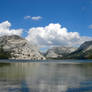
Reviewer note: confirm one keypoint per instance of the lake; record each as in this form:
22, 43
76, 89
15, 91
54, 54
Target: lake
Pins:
46, 76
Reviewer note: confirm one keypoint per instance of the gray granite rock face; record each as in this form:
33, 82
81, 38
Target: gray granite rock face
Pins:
86, 46
59, 52
20, 48
83, 52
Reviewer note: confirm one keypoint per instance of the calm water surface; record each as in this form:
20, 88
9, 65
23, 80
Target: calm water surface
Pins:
47, 76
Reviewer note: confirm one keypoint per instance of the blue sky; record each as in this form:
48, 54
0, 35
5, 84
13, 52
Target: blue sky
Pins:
75, 15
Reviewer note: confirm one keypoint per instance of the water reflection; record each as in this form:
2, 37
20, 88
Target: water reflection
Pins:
45, 77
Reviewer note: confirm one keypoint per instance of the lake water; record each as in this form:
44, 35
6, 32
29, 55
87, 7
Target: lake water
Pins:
46, 76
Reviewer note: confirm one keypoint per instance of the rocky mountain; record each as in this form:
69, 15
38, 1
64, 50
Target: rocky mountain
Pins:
16, 47
59, 52
83, 52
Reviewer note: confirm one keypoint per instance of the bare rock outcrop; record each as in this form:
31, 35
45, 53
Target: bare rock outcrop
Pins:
59, 52
83, 52
20, 48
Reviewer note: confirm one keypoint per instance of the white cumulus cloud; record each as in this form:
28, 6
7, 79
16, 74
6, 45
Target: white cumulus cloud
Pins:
27, 17
51, 35
55, 35
35, 18
5, 29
